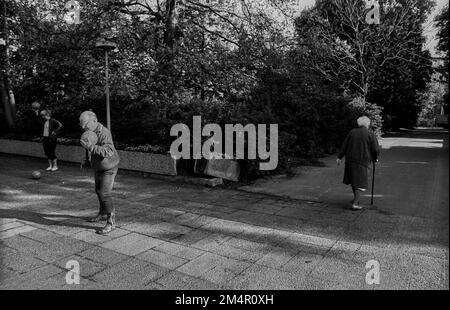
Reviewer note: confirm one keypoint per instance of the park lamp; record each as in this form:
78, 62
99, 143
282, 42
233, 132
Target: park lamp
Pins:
107, 46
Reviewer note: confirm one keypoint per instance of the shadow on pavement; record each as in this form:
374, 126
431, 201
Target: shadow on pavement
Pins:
42, 218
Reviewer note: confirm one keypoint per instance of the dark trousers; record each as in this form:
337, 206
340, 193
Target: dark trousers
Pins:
104, 183
49, 147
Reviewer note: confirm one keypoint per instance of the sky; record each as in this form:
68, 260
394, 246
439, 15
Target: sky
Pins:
430, 30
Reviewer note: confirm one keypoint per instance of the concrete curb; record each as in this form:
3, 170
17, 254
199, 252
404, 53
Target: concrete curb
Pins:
211, 182
136, 161
247, 189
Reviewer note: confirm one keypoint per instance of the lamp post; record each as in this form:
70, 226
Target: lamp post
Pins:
107, 46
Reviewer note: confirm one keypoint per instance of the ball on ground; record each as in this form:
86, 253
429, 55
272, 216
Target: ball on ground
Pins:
36, 175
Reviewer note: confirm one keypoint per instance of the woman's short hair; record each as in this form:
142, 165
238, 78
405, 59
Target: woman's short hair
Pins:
363, 121
46, 113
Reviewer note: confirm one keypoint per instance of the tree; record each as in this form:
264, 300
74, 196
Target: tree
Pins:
380, 63
229, 61
442, 35
443, 32
7, 99
170, 53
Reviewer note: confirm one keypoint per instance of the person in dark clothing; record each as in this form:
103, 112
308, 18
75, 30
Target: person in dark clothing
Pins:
35, 107
360, 149
50, 133
32, 121
105, 161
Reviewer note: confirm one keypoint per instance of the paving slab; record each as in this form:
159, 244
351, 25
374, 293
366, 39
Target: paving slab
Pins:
347, 272
240, 254
276, 257
178, 250
211, 241
90, 236
103, 256
129, 274
132, 244
193, 220
22, 262
15, 231
259, 277
32, 280
10, 225
303, 262
178, 236
88, 267
162, 259
176, 280
59, 282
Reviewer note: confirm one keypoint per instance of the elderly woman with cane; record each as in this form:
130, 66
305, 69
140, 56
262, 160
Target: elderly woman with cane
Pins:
360, 149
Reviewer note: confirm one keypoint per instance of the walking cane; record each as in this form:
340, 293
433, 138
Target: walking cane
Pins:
373, 182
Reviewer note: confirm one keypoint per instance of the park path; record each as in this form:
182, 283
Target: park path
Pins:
179, 236
412, 180
413, 168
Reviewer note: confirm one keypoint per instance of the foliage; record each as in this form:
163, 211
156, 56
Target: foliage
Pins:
443, 31
359, 107
442, 24
432, 102
230, 62
384, 63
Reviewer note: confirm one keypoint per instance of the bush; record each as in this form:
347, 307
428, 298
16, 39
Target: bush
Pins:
146, 149
313, 116
359, 107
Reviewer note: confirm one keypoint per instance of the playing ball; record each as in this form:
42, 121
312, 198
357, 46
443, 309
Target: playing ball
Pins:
36, 175
89, 137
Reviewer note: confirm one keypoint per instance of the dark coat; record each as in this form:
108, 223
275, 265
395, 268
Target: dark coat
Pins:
360, 147
32, 123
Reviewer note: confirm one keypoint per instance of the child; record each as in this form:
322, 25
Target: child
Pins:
50, 135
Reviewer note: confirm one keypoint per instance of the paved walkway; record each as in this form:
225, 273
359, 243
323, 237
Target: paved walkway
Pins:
178, 236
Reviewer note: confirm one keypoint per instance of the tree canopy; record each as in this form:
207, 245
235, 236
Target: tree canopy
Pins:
242, 61
384, 63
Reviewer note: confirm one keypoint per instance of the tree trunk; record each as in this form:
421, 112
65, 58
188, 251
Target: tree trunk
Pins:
171, 23
5, 103
6, 94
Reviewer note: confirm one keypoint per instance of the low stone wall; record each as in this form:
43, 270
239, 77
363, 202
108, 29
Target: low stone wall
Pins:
146, 162
136, 161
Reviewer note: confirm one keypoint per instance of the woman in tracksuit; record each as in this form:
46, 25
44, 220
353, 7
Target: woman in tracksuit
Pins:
50, 134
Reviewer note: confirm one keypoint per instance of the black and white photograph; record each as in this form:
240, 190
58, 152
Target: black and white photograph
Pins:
223, 152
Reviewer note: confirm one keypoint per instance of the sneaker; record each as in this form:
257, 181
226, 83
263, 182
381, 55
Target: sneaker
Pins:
49, 168
110, 225
106, 230
98, 218
54, 168
356, 207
